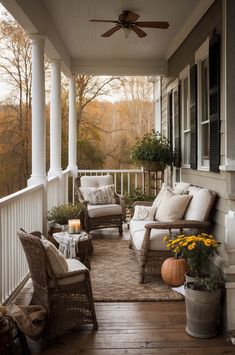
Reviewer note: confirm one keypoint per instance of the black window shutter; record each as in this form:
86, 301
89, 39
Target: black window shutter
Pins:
177, 127
214, 100
169, 118
193, 117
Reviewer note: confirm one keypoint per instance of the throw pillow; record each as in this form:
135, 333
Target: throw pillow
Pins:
181, 188
144, 213
57, 260
172, 207
98, 195
198, 208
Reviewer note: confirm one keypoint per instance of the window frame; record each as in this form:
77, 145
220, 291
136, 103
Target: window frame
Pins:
185, 74
201, 55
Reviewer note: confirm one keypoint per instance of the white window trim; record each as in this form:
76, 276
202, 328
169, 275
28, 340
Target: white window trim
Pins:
185, 73
201, 54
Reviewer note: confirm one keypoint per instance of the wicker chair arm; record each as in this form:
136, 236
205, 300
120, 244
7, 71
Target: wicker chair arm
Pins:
178, 225
143, 203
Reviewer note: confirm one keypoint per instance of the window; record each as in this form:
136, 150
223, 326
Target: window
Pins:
203, 106
185, 116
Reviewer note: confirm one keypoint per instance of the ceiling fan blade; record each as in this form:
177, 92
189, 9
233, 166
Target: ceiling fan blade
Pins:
111, 31
138, 31
131, 17
153, 24
110, 21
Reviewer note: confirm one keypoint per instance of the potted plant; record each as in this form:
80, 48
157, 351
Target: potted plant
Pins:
153, 151
196, 249
202, 291
202, 301
60, 215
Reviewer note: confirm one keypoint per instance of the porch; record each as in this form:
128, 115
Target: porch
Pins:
28, 208
133, 328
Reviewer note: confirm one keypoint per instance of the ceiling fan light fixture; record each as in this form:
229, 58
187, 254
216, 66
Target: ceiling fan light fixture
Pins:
126, 31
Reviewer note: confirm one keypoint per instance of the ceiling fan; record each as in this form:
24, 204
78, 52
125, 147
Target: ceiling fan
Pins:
127, 21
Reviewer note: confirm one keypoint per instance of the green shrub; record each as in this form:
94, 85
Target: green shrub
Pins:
153, 147
63, 213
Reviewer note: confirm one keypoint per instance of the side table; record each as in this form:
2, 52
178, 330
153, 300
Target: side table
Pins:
75, 245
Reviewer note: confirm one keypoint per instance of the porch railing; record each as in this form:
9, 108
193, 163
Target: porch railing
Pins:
22, 209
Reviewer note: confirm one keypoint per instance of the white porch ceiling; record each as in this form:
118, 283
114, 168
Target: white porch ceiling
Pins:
73, 38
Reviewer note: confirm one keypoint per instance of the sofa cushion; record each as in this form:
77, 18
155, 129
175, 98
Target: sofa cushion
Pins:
144, 213
98, 195
181, 188
96, 181
56, 258
198, 207
137, 225
158, 198
156, 239
172, 207
104, 210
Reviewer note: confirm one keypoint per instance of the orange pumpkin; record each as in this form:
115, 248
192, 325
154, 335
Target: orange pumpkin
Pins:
173, 271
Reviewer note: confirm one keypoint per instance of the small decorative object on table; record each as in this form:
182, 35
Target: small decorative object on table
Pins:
74, 225
203, 293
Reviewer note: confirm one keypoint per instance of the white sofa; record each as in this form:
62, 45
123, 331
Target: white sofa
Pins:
185, 208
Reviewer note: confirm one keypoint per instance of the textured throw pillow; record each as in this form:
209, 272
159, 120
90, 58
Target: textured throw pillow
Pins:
57, 260
181, 188
98, 195
144, 213
172, 207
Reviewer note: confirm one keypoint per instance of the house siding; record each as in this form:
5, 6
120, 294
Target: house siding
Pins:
223, 183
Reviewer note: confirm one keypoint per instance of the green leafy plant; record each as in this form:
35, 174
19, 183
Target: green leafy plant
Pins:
196, 249
153, 147
63, 213
134, 196
210, 283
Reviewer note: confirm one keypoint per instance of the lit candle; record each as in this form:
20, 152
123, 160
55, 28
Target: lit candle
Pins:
74, 226
77, 225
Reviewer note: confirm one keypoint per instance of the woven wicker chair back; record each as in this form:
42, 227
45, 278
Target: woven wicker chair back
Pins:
39, 265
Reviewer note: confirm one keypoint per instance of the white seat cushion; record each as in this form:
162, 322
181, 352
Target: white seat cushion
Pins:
156, 239
198, 206
73, 265
96, 181
104, 210
137, 225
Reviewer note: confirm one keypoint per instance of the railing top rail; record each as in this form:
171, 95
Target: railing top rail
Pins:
18, 194
53, 178
110, 171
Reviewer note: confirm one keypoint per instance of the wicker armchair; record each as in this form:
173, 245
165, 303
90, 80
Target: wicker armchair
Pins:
67, 298
103, 215
150, 258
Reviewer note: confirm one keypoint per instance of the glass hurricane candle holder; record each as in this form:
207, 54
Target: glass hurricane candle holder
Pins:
74, 226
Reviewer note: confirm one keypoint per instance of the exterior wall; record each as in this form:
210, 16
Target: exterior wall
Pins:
223, 183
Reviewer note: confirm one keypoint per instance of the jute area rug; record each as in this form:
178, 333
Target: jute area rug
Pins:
114, 276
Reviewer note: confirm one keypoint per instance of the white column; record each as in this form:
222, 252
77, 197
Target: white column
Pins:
72, 127
55, 120
38, 112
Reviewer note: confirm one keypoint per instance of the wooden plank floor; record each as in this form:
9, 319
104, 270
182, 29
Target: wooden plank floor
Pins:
136, 328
